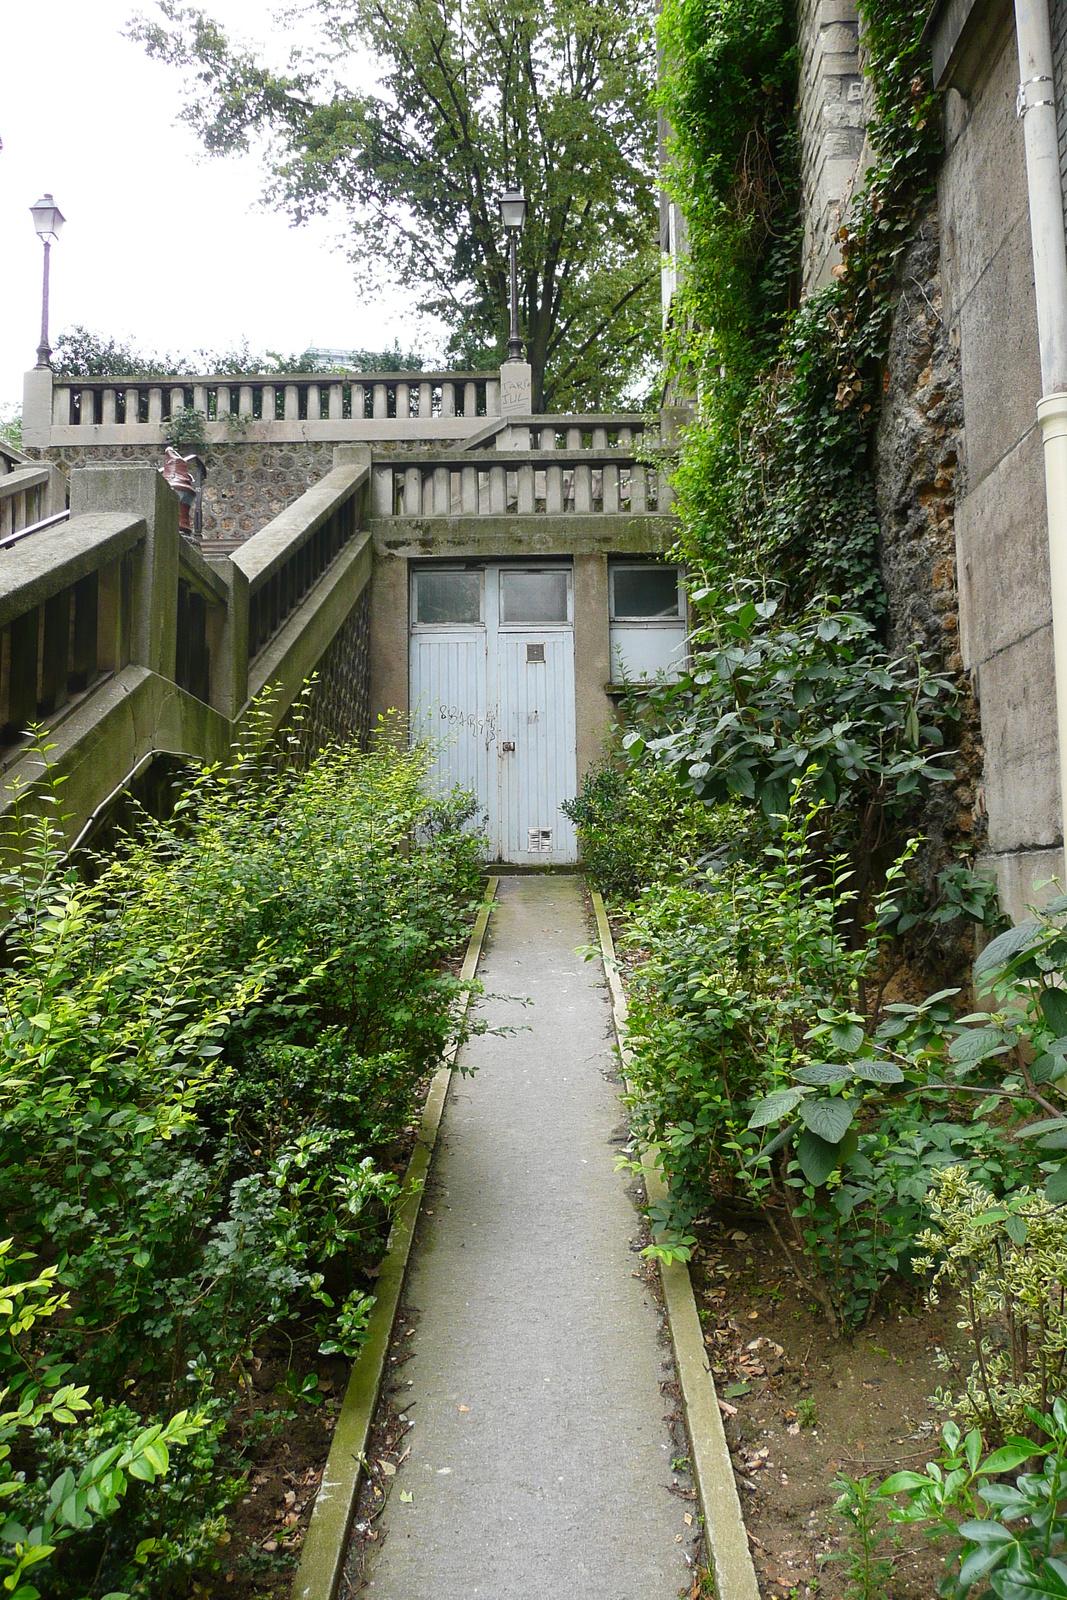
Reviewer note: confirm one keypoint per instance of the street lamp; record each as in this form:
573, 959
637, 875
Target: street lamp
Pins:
48, 220
513, 215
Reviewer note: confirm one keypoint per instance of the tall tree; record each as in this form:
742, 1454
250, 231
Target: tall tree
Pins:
552, 96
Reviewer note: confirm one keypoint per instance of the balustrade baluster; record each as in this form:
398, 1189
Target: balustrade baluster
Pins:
470, 399
155, 407
469, 492
425, 401
200, 398
448, 399
442, 492
600, 438
498, 491
611, 486
492, 397
525, 492
54, 653
381, 400
22, 678
384, 502
359, 403
222, 402
314, 402
413, 492
664, 492
554, 491
574, 438
107, 410
625, 437
403, 402
270, 404
61, 406
247, 403
86, 614
292, 402
583, 488
177, 400
337, 402
638, 487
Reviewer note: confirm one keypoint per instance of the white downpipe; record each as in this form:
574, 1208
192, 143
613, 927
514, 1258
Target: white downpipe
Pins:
1036, 105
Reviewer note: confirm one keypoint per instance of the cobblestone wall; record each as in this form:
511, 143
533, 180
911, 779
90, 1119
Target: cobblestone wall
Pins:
247, 484
918, 449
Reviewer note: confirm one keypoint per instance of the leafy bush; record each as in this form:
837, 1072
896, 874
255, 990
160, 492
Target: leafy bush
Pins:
209, 1052
638, 825
1011, 1536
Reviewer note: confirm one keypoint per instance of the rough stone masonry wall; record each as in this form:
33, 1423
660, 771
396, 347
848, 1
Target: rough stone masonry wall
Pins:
917, 453
247, 484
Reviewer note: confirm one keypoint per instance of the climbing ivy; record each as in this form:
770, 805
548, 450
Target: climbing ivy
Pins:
773, 480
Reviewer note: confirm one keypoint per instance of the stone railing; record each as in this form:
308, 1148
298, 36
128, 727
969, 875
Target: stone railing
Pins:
30, 494
545, 467
126, 643
278, 407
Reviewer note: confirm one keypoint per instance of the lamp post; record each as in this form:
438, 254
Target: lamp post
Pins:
48, 220
513, 215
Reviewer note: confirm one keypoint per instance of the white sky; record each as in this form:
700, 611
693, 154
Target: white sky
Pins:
160, 245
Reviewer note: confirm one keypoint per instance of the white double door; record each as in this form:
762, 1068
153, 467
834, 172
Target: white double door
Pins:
492, 694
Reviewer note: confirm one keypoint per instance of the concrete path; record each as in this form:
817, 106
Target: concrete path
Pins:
540, 1456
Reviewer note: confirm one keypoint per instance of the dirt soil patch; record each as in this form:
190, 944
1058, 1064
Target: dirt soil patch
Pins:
799, 1406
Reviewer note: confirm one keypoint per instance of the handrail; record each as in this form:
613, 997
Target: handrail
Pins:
56, 564
34, 527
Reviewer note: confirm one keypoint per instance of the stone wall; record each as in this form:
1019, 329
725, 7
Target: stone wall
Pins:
247, 484
917, 450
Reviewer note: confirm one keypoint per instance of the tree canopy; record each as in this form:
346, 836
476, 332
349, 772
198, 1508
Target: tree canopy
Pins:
472, 96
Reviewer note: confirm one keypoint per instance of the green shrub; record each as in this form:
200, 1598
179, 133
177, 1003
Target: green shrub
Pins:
209, 1050
638, 825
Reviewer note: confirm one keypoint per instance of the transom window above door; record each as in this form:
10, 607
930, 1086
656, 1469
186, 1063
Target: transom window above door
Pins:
530, 598
447, 598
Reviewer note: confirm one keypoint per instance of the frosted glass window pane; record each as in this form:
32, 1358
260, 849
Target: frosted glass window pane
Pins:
533, 596
646, 593
448, 597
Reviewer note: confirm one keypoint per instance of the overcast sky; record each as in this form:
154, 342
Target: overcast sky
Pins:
160, 245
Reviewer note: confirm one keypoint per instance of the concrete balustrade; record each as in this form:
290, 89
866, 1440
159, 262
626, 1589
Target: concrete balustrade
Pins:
523, 482
387, 406
29, 494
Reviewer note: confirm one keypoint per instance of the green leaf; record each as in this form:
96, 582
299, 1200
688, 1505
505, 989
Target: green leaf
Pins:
1054, 1010
877, 1071
903, 1482
847, 1036
817, 1157
998, 952
774, 1107
1056, 1186
974, 1044
1010, 1456
829, 1119
821, 1073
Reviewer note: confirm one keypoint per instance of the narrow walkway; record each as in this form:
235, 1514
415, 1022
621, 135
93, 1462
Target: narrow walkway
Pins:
540, 1456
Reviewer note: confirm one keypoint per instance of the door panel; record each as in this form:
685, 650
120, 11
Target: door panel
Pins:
452, 712
537, 717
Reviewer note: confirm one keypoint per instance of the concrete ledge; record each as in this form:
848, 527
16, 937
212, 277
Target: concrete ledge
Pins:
261, 556
724, 1526
47, 562
326, 1544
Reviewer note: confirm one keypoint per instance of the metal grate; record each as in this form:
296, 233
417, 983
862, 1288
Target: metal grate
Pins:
538, 841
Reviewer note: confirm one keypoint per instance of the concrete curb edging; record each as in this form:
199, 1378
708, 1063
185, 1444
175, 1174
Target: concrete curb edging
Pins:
724, 1526
326, 1542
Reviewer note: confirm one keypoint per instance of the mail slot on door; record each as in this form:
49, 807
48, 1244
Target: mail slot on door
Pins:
509, 744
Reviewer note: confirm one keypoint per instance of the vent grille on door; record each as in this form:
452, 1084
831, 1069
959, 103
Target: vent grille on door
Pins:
538, 841
535, 652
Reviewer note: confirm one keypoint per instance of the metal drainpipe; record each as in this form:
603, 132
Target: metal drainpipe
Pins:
1036, 105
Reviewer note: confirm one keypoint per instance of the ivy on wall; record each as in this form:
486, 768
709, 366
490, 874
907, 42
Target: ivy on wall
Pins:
773, 480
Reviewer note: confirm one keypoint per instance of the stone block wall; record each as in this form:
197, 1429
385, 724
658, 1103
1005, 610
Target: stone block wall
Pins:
247, 484
832, 122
